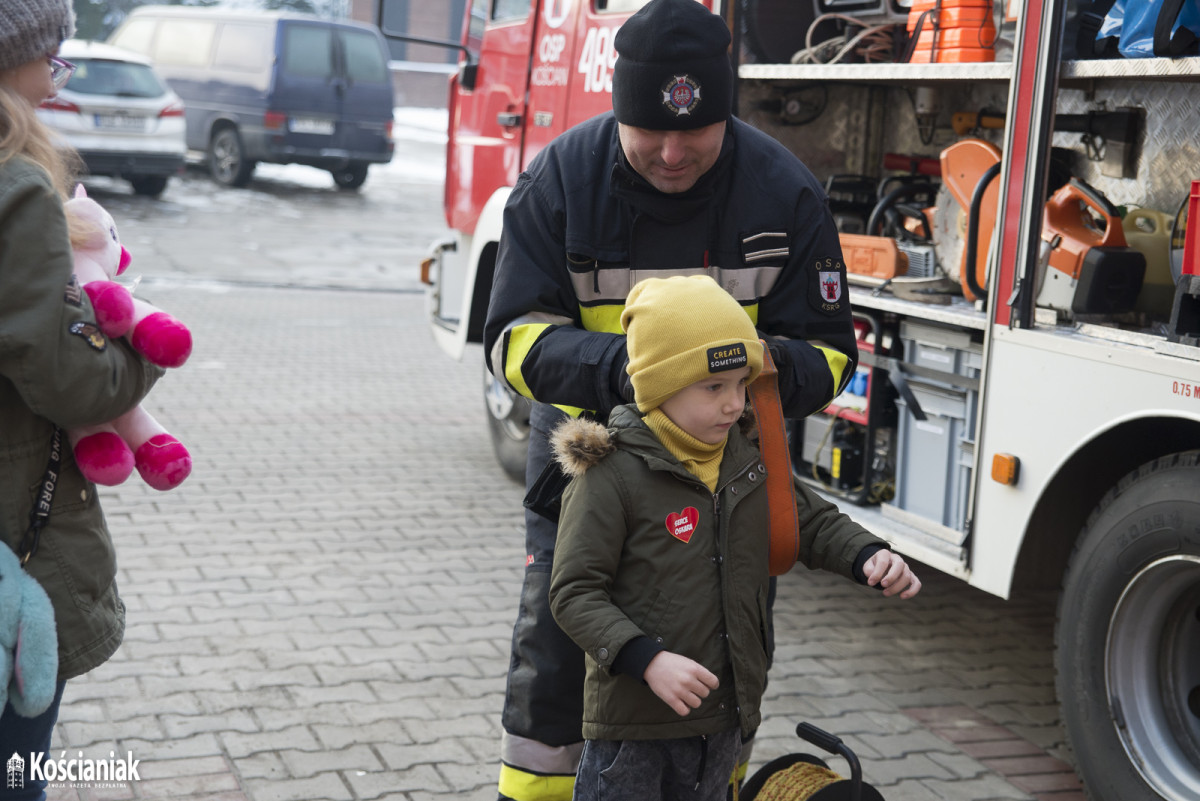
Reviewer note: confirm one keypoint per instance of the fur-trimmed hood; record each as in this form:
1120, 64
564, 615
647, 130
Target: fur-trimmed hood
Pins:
579, 443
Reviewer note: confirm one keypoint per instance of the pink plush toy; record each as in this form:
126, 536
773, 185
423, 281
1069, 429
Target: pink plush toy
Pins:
108, 453
99, 258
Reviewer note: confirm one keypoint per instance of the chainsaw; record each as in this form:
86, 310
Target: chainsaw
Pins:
1086, 267
965, 166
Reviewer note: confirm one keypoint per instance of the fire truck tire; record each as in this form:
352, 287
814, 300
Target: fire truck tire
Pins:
508, 425
1127, 644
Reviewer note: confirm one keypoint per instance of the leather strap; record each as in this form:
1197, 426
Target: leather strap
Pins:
773, 444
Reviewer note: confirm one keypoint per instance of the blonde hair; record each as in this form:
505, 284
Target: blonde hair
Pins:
22, 133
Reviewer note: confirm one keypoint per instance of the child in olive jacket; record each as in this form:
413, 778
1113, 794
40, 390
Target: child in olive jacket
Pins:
660, 571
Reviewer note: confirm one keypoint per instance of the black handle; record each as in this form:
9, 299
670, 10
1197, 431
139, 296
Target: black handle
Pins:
819, 737
1102, 204
896, 376
971, 256
824, 740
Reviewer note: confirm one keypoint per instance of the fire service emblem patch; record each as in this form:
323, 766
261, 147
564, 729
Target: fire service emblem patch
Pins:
681, 95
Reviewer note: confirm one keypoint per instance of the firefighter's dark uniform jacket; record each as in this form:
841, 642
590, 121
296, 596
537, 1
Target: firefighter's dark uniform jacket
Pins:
581, 228
56, 368
621, 573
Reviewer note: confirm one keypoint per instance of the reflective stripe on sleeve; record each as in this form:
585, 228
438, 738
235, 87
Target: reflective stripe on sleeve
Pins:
511, 350
608, 318
602, 318
520, 340
611, 285
512, 347
837, 367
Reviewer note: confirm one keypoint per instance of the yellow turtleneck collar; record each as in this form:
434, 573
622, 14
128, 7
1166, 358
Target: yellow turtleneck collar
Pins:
700, 458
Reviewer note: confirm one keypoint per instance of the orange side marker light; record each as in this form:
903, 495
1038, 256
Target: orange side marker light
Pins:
1005, 468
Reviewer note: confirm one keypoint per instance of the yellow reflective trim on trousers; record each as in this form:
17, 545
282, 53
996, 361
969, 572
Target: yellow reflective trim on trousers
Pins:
837, 366
521, 786
521, 339
608, 318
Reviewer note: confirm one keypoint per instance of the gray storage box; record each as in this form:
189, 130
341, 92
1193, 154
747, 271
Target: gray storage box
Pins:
934, 457
929, 481
943, 349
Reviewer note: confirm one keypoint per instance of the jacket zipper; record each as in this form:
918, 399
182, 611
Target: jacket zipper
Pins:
716, 496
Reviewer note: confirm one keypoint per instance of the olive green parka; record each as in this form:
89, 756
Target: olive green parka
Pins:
645, 549
56, 368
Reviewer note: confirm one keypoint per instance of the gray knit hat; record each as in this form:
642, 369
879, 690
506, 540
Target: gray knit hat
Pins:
32, 28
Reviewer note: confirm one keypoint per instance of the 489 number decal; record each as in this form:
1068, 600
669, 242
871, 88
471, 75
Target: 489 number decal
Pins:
597, 60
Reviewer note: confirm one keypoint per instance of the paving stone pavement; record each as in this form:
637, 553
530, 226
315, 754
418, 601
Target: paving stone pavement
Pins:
323, 610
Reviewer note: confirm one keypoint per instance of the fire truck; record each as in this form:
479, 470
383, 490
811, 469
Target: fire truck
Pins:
1013, 202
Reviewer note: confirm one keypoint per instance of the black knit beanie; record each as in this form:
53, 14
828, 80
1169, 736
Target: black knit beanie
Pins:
32, 28
672, 71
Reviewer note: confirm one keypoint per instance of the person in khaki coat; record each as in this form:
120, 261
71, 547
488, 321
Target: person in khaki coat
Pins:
661, 571
56, 371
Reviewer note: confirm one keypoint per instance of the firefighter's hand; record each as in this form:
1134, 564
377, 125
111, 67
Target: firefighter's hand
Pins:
888, 570
681, 682
779, 354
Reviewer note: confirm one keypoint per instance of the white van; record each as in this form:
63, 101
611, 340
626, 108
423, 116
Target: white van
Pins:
271, 86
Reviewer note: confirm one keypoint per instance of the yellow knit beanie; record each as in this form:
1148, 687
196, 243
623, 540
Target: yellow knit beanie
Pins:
680, 330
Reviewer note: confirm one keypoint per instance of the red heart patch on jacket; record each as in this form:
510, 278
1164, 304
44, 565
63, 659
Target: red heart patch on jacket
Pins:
683, 524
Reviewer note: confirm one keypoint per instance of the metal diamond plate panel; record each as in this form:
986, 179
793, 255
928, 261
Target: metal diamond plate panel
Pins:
1169, 157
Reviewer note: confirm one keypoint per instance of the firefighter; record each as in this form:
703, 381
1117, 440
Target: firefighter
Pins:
668, 183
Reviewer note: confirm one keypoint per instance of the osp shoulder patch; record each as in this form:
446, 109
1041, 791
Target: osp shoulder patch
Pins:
90, 333
827, 286
727, 357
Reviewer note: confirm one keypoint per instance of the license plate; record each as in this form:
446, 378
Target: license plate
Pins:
120, 122
306, 125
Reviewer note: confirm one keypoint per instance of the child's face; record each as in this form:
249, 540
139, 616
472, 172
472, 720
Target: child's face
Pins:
710, 407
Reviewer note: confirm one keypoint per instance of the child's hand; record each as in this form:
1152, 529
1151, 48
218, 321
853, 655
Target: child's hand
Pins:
888, 570
681, 682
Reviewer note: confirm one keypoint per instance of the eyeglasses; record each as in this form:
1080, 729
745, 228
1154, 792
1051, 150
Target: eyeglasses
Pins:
60, 71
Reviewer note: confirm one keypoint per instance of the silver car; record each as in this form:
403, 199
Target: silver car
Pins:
121, 117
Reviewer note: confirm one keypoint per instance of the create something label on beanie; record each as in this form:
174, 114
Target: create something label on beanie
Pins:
727, 357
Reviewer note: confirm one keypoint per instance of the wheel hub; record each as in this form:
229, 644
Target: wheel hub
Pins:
1153, 675
501, 404
499, 401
